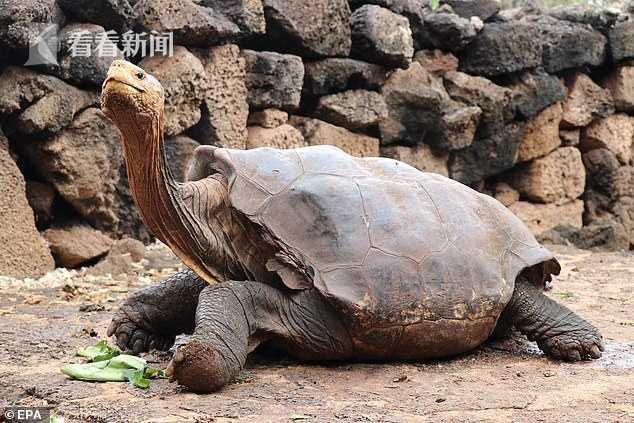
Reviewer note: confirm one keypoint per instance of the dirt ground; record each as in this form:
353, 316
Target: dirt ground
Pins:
43, 323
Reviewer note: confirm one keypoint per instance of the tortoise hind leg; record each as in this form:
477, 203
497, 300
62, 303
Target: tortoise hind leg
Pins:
153, 316
559, 332
233, 318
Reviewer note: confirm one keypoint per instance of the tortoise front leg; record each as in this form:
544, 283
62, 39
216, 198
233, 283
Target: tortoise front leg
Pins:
153, 316
559, 332
233, 318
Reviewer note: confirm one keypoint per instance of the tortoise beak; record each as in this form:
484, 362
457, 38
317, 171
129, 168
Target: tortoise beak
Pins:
124, 73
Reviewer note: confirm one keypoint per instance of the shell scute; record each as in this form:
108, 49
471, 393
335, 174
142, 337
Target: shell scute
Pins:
385, 243
320, 215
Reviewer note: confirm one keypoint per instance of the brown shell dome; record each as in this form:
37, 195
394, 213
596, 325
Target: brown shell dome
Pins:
387, 244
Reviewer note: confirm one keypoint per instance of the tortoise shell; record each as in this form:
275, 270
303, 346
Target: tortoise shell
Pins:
388, 245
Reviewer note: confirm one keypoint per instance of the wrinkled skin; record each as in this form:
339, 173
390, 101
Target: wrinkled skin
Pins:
228, 320
233, 318
559, 332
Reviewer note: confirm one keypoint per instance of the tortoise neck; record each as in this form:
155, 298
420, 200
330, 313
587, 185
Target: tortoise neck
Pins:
156, 193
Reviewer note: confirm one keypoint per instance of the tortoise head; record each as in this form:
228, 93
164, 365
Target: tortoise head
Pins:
131, 97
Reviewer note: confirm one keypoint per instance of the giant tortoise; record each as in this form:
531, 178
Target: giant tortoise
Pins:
324, 255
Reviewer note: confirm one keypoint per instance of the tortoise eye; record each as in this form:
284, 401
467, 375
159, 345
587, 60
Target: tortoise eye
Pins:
140, 75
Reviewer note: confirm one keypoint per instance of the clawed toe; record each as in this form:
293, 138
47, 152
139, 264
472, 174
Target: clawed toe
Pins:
130, 337
573, 347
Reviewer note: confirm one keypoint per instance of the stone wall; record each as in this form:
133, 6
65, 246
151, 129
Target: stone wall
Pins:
531, 106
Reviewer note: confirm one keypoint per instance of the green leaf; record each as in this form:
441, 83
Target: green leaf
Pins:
107, 364
95, 372
151, 373
99, 352
125, 361
435, 4
136, 377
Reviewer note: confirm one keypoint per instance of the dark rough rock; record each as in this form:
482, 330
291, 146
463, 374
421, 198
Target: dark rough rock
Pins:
436, 61
608, 198
569, 137
559, 235
24, 253
602, 169
225, 109
530, 8
604, 235
534, 91
121, 258
4, 56
316, 28
330, 76
381, 36
41, 197
487, 156
568, 45
420, 110
22, 21
413, 10
483, 9
626, 196
416, 101
317, 132
357, 110
73, 244
191, 23
457, 127
41, 103
248, 15
84, 163
494, 100
111, 14
503, 48
185, 82
620, 38
179, 151
91, 69
129, 222
447, 31
597, 17
273, 79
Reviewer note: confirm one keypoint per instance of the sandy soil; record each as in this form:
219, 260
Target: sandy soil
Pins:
43, 323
